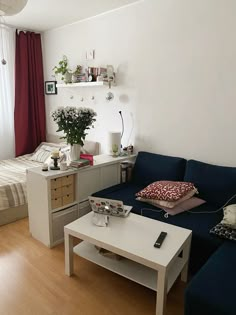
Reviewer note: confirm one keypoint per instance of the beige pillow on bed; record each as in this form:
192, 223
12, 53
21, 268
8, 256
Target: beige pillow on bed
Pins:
50, 144
43, 151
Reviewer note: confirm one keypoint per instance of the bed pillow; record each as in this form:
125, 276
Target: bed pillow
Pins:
43, 152
50, 144
168, 204
166, 190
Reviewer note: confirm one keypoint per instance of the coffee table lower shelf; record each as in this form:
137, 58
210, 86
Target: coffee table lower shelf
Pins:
128, 268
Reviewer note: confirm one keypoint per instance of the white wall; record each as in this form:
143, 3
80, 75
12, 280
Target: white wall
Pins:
176, 70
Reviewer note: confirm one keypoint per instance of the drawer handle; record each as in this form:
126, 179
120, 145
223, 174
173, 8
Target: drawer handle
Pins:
55, 189
68, 195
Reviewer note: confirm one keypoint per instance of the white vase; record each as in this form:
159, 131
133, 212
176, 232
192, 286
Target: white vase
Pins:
75, 151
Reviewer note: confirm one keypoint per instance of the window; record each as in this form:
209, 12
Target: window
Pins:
7, 88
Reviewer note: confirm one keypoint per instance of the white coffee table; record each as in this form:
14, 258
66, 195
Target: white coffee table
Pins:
133, 238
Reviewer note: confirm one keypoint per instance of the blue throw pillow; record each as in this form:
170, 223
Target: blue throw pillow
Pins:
150, 167
215, 184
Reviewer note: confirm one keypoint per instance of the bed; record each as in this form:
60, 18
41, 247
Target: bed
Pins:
13, 199
13, 194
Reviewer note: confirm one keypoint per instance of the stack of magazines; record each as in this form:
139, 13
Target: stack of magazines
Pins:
79, 163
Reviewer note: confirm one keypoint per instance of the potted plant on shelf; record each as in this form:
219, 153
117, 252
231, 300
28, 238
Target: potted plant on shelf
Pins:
63, 70
74, 122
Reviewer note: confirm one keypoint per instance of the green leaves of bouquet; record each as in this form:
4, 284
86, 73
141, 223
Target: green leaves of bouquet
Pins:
74, 122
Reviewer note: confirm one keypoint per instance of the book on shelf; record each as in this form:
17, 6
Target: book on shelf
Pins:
80, 163
87, 157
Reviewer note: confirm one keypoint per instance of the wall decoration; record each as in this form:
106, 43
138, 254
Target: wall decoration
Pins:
90, 54
50, 87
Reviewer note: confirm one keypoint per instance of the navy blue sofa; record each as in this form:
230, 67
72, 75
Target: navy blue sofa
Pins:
212, 289
216, 185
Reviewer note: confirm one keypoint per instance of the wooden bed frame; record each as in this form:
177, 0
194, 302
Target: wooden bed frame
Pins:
13, 214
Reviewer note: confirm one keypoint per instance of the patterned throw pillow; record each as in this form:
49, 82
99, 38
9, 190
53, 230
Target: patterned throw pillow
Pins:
227, 227
167, 204
166, 190
224, 231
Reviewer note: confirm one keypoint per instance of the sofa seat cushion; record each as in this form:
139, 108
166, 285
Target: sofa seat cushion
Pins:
125, 192
150, 167
215, 184
212, 290
200, 222
203, 243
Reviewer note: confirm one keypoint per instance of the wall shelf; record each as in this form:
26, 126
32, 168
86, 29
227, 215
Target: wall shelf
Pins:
83, 84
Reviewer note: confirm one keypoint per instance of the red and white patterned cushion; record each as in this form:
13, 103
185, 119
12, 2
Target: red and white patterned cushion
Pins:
168, 204
166, 190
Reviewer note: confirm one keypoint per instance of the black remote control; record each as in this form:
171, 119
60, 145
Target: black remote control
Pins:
160, 239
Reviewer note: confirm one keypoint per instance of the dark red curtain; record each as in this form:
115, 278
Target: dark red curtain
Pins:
30, 120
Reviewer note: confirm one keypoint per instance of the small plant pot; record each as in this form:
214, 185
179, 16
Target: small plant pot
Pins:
68, 77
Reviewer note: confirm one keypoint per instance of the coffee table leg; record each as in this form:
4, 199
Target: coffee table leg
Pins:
161, 292
186, 253
69, 263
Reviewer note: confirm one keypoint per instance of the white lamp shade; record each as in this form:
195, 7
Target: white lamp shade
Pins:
114, 143
11, 7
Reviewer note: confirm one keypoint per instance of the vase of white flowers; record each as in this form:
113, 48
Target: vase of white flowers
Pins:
74, 122
75, 150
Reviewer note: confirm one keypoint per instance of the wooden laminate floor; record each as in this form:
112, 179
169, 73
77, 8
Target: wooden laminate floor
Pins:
32, 282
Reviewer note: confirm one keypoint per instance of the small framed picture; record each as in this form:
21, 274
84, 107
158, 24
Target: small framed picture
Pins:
50, 87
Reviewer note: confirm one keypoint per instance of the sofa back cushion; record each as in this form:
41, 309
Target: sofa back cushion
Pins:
150, 167
215, 184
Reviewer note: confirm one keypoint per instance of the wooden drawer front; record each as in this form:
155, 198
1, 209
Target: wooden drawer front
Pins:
68, 199
67, 180
68, 189
55, 183
56, 192
56, 203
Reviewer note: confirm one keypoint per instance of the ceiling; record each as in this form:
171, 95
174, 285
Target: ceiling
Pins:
47, 14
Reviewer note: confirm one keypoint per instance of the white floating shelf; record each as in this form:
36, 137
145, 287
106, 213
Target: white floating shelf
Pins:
128, 268
82, 84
